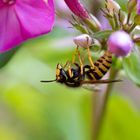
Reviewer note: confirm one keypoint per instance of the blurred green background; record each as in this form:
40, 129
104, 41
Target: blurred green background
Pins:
30, 110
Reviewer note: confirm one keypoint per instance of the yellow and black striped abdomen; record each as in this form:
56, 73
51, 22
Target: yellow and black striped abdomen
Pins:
101, 66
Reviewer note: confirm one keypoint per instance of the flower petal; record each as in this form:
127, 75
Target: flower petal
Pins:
10, 33
77, 8
1, 4
24, 20
37, 20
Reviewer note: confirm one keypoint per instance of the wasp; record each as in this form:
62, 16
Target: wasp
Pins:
85, 74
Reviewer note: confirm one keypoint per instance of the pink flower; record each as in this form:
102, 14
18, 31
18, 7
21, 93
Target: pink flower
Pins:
120, 43
24, 19
77, 8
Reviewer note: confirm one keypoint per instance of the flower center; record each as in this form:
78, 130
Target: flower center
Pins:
9, 2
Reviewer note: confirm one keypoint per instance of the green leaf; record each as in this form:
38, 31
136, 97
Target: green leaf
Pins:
131, 66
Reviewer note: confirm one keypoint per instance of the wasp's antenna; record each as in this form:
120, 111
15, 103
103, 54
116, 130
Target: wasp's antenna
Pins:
48, 81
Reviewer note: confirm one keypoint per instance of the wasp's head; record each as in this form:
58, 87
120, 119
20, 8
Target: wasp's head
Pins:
61, 75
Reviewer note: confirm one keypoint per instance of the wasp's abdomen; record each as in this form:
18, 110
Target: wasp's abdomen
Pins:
101, 66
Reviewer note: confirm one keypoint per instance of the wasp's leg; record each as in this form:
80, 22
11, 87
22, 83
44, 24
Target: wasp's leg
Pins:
89, 57
83, 57
81, 75
74, 56
70, 71
67, 63
81, 62
77, 65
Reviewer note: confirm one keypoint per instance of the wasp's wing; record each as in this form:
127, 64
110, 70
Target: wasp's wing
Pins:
105, 81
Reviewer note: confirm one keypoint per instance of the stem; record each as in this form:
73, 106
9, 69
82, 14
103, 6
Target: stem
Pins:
116, 21
111, 22
128, 18
98, 121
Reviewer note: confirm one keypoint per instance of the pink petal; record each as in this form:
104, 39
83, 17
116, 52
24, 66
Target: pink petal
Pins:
77, 8
24, 20
10, 33
37, 20
1, 4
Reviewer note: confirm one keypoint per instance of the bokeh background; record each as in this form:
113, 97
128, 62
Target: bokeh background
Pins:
30, 110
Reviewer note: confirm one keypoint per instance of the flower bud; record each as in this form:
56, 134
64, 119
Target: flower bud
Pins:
131, 5
93, 23
120, 43
112, 6
83, 40
77, 8
137, 19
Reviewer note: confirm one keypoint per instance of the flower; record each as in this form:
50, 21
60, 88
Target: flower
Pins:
120, 43
83, 40
138, 6
24, 19
77, 8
